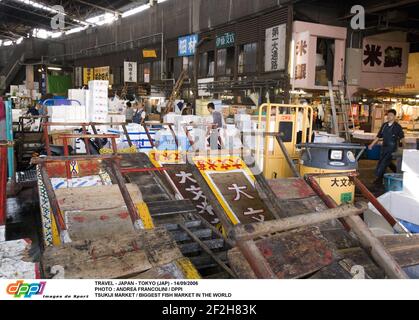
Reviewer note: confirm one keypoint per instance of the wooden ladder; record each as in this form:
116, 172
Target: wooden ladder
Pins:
341, 121
176, 91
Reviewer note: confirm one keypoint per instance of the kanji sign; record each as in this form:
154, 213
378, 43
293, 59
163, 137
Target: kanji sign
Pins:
130, 71
161, 158
301, 49
88, 75
233, 184
187, 45
149, 53
226, 40
102, 73
384, 56
275, 48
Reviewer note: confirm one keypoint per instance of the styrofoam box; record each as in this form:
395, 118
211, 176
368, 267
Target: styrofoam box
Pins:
411, 185
79, 95
400, 205
411, 162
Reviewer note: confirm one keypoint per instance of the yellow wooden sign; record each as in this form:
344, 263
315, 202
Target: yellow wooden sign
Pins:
102, 73
149, 53
222, 164
88, 75
161, 158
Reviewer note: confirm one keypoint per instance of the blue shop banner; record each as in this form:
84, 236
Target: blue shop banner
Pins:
187, 45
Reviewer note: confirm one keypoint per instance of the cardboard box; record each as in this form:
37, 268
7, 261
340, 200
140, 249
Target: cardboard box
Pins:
154, 117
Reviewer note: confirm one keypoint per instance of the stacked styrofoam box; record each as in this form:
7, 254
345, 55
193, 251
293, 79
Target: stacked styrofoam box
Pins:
79, 95
411, 173
67, 114
98, 101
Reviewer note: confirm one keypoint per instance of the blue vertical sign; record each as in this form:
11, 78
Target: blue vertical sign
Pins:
9, 137
187, 45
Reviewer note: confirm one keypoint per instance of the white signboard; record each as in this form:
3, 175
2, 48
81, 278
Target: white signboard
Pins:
203, 91
275, 47
385, 56
130, 71
301, 54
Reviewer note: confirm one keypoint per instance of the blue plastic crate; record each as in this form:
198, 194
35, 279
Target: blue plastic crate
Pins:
375, 153
393, 182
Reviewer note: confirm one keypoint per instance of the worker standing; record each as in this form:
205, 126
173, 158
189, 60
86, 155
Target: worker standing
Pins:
392, 134
129, 114
139, 114
217, 125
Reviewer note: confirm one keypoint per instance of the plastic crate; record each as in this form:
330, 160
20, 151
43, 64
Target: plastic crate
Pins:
375, 153
393, 182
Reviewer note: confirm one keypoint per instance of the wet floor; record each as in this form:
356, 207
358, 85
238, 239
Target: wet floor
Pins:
23, 218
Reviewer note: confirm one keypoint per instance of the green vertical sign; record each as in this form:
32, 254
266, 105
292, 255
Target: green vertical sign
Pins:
226, 40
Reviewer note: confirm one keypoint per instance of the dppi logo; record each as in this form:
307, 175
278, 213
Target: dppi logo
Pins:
26, 290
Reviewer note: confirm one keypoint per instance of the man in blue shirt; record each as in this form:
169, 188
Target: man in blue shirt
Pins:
392, 134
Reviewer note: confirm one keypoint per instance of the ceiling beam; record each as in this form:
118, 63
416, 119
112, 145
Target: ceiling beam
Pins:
100, 7
383, 7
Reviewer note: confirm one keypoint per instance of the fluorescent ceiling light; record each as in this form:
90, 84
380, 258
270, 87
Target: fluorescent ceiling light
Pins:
55, 68
135, 10
102, 19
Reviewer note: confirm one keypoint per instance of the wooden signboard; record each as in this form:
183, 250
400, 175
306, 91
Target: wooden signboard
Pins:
233, 184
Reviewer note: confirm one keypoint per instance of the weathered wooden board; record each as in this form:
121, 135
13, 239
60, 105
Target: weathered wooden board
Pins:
361, 258
92, 225
112, 257
239, 264
84, 168
292, 188
179, 269
405, 249
95, 198
333, 271
291, 255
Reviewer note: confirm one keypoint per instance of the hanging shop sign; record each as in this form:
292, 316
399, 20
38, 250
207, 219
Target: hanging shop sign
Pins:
78, 76
275, 48
102, 73
385, 56
412, 80
301, 58
130, 71
226, 40
88, 75
187, 45
149, 53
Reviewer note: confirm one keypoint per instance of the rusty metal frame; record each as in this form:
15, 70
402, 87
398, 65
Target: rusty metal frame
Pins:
84, 127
